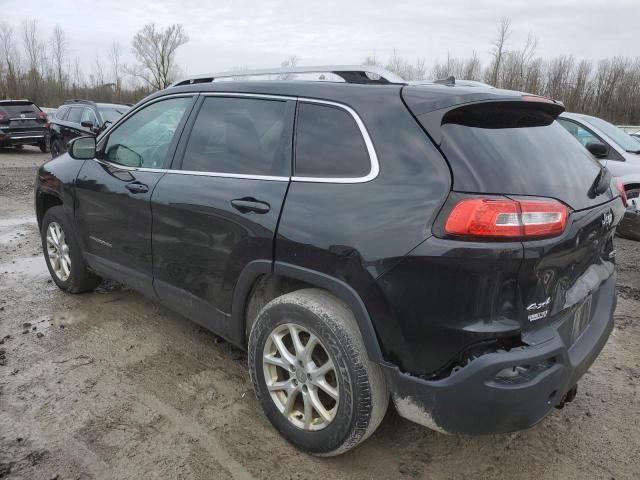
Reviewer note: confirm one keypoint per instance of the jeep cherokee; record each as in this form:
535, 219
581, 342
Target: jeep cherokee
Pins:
445, 247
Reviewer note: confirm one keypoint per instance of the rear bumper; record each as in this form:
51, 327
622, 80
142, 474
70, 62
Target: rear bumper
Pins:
8, 138
474, 401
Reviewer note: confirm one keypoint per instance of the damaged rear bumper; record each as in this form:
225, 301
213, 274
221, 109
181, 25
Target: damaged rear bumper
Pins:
481, 399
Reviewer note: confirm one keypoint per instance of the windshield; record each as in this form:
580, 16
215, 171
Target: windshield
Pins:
113, 113
617, 135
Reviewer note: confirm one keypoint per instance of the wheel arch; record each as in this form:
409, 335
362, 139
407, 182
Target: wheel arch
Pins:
295, 278
44, 201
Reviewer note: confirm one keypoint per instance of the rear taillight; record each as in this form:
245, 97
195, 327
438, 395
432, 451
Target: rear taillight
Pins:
506, 218
42, 116
623, 192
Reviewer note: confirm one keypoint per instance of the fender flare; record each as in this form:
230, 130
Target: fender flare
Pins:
336, 286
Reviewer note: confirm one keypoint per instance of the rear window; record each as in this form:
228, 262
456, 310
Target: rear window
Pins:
16, 109
515, 148
329, 144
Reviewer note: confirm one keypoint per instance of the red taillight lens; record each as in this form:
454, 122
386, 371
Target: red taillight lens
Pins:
505, 218
623, 192
43, 116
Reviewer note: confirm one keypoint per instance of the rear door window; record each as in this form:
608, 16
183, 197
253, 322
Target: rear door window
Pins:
75, 114
247, 136
61, 113
329, 143
88, 116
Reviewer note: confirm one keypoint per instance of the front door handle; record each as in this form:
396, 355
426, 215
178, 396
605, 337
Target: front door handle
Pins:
250, 204
136, 187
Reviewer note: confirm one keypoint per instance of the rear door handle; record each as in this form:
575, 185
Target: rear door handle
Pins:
250, 204
136, 187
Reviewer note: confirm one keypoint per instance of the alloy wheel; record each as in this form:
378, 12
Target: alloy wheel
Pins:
301, 377
58, 251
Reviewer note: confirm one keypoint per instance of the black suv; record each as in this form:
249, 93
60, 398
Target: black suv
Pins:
22, 123
446, 247
78, 118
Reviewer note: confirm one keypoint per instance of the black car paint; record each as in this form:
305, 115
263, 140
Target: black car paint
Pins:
420, 300
24, 129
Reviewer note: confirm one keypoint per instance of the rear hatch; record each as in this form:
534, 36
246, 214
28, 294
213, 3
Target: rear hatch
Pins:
507, 147
20, 117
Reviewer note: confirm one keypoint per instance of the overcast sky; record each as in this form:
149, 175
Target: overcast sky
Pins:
261, 33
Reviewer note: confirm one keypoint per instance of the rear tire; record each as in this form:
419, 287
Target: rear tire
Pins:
44, 146
57, 148
348, 399
62, 254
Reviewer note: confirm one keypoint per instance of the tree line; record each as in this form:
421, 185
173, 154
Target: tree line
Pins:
40, 67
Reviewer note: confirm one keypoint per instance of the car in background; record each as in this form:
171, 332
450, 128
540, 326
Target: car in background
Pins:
77, 118
636, 135
619, 152
22, 123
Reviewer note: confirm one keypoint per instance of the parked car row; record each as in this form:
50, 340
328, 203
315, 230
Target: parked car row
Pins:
448, 248
24, 123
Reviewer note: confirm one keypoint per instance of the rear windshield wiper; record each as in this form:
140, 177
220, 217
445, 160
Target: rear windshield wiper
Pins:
600, 183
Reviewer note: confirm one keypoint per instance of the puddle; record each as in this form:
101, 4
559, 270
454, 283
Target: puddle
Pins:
28, 266
15, 221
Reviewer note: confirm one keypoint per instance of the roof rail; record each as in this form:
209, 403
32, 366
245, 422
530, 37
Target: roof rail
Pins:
7, 100
349, 73
79, 100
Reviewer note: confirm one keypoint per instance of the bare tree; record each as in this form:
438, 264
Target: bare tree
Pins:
10, 58
155, 49
58, 52
498, 51
117, 68
291, 62
35, 53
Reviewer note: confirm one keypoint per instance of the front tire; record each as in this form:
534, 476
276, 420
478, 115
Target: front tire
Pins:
62, 254
57, 148
311, 374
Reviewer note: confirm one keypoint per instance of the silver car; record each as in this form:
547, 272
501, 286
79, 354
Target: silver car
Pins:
619, 152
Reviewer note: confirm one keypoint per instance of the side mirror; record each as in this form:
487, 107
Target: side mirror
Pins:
598, 150
82, 148
87, 124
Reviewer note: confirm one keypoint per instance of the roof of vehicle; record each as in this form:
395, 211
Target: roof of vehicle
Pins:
423, 97
17, 100
96, 104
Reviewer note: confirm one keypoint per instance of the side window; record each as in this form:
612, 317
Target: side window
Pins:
329, 143
238, 135
74, 115
143, 139
580, 133
88, 116
61, 113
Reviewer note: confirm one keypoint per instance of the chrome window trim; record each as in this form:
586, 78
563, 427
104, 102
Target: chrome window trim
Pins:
373, 157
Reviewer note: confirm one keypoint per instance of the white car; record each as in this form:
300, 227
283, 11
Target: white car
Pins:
619, 152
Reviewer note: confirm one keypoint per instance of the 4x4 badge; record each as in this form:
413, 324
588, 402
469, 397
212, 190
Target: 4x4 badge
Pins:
538, 306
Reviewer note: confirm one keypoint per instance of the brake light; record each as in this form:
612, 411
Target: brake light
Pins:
42, 116
536, 98
623, 192
506, 218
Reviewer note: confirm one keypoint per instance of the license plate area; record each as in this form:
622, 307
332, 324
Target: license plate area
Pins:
581, 320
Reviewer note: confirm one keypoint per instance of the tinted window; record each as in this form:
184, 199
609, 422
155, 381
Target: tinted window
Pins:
238, 135
329, 143
516, 148
16, 109
143, 139
61, 113
75, 114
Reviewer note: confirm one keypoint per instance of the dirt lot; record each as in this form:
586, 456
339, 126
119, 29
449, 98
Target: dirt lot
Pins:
111, 385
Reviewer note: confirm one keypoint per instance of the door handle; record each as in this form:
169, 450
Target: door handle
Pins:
250, 204
136, 187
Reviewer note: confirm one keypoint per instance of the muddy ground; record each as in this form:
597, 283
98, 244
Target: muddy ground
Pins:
111, 385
